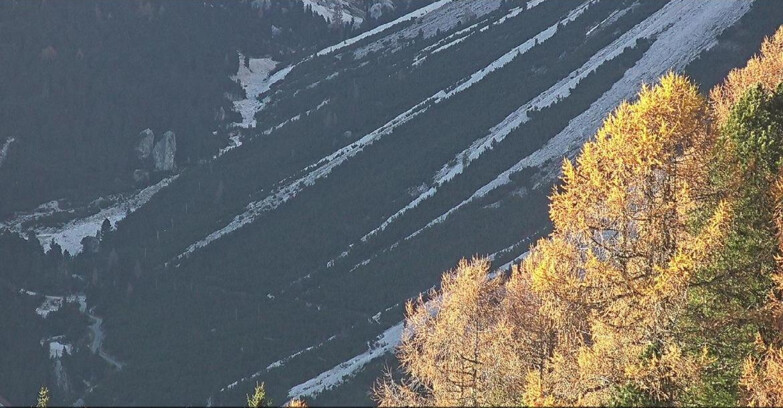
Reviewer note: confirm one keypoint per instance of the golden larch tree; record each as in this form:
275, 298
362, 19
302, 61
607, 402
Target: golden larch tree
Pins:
458, 348
615, 271
766, 69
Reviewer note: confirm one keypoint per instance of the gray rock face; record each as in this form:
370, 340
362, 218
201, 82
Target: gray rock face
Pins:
144, 146
164, 151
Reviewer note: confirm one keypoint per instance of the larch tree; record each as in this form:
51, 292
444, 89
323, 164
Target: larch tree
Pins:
763, 379
661, 283
457, 347
534, 338
615, 272
764, 68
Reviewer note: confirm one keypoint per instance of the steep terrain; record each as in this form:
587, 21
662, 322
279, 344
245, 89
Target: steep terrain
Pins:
356, 174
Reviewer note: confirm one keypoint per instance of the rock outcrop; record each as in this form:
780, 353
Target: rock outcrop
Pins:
144, 145
164, 151
377, 9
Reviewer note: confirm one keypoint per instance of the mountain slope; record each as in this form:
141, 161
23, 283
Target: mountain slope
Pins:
366, 170
339, 215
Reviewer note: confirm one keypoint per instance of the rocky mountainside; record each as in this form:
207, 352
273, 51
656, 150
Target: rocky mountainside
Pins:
356, 174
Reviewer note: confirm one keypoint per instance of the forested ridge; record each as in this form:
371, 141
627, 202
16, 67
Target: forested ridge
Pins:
660, 284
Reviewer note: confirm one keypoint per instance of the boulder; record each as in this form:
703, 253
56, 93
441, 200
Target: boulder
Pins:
143, 148
164, 151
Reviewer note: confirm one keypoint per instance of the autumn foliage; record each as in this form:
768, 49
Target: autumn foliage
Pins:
661, 283
764, 68
454, 344
615, 271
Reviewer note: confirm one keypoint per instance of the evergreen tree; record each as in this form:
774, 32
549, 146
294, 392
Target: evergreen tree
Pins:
728, 293
105, 229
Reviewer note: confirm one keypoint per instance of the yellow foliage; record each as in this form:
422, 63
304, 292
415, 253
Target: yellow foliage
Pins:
466, 346
258, 399
534, 392
43, 397
765, 68
614, 273
763, 379
296, 403
594, 308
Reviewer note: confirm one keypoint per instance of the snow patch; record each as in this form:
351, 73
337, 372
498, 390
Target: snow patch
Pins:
447, 16
616, 15
499, 132
328, 12
682, 30
295, 118
384, 344
42, 211
412, 15
69, 236
255, 79
276, 364
235, 140
458, 37
338, 374
324, 166
57, 349
514, 261
52, 304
